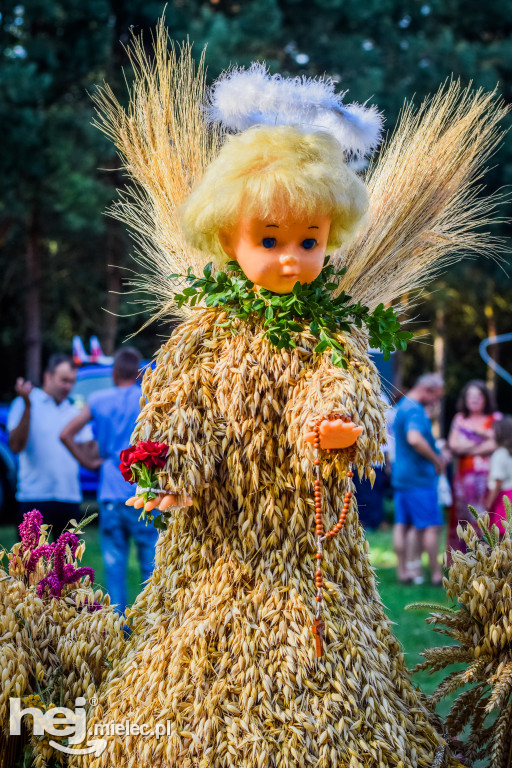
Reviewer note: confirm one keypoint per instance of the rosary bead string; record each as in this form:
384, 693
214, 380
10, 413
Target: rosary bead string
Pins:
321, 536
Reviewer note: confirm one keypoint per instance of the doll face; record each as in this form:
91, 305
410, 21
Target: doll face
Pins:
275, 253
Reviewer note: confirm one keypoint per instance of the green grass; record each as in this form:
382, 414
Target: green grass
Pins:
409, 627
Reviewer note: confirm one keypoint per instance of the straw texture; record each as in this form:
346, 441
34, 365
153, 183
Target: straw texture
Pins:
222, 643
479, 584
51, 650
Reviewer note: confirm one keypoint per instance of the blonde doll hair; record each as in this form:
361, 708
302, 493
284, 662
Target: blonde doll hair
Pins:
265, 170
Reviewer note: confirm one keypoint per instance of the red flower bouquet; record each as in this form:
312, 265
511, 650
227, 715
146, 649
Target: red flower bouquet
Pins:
139, 464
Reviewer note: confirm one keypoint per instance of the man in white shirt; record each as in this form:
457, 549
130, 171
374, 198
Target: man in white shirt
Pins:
48, 476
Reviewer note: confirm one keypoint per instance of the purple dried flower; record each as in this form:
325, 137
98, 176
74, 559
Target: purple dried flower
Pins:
63, 573
66, 573
80, 573
53, 583
45, 550
59, 558
30, 529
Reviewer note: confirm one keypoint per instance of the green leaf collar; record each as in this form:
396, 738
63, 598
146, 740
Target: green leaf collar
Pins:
283, 315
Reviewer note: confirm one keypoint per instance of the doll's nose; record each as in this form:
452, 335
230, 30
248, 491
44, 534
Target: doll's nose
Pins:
288, 258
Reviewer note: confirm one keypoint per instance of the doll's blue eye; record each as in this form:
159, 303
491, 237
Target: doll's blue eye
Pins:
309, 243
268, 242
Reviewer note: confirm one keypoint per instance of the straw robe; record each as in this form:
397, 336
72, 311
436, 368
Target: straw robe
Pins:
222, 645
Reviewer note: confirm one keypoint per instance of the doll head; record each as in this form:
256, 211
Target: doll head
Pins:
276, 199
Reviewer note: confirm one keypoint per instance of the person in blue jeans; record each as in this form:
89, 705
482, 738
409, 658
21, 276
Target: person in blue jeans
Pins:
414, 477
113, 413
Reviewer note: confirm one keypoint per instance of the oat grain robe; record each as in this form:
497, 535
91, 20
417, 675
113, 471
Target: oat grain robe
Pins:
222, 644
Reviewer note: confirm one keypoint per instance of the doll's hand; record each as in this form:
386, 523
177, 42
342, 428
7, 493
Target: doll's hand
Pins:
336, 434
163, 501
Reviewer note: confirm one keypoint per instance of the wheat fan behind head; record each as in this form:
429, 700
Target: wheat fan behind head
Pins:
425, 209
164, 146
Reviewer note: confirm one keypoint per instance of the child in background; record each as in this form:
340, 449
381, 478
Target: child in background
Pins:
500, 473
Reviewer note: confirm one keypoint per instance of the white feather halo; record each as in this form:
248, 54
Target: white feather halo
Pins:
242, 98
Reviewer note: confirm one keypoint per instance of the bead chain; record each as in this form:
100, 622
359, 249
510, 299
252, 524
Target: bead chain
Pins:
321, 536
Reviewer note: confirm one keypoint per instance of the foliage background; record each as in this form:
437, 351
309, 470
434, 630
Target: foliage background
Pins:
62, 259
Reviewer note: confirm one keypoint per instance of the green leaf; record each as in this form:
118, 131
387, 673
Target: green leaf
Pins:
508, 511
83, 523
335, 344
430, 606
339, 359
321, 347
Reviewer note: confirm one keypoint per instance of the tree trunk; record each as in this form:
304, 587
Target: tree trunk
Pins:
113, 287
33, 341
494, 351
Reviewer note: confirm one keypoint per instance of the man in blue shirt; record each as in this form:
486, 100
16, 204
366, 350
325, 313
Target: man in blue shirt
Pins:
414, 478
113, 413
48, 477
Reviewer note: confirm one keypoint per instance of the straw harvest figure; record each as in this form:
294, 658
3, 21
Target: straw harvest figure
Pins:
238, 197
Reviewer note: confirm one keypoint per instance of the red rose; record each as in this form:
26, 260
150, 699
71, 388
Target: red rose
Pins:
151, 454
138, 455
153, 449
125, 466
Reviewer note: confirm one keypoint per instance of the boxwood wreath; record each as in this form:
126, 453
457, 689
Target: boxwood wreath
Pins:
311, 304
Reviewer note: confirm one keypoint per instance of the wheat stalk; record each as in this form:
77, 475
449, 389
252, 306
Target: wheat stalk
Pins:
164, 147
480, 582
426, 210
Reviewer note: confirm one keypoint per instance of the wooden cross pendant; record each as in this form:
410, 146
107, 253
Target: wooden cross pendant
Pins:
318, 631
